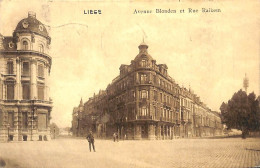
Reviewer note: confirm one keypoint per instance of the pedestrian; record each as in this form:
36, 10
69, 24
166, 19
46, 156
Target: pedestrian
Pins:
114, 136
117, 137
90, 139
125, 136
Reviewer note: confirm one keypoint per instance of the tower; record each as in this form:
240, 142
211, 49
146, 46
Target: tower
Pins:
25, 106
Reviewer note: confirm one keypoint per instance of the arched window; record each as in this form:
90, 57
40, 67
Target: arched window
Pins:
25, 45
41, 49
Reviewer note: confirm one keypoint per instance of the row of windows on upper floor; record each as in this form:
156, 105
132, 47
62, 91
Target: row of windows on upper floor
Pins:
10, 91
145, 94
189, 104
25, 120
25, 68
186, 103
154, 111
145, 64
143, 78
25, 45
204, 120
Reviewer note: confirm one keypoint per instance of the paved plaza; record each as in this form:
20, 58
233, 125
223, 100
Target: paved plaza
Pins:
69, 152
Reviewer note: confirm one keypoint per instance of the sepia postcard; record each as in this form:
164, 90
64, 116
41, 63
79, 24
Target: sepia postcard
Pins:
135, 84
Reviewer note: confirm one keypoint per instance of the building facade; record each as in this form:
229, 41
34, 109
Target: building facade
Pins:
144, 102
25, 64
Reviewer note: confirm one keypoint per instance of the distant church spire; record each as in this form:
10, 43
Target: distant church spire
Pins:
81, 102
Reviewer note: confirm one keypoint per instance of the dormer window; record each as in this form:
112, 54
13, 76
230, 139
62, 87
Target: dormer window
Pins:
143, 63
41, 48
25, 45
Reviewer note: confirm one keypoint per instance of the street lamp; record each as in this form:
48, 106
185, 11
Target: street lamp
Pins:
32, 117
8, 127
54, 132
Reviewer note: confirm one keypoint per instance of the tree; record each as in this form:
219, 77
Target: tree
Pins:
242, 112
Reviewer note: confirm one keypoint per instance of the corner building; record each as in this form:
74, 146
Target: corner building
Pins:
143, 102
25, 105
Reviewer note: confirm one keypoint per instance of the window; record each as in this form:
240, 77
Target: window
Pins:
144, 111
143, 63
155, 111
25, 71
25, 45
155, 95
144, 94
41, 48
42, 121
26, 91
24, 120
10, 67
154, 79
161, 96
143, 78
40, 70
133, 93
11, 119
10, 90
40, 91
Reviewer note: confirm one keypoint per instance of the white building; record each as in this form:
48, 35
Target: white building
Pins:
25, 64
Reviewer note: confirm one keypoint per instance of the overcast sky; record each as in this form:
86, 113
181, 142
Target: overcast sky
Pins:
211, 52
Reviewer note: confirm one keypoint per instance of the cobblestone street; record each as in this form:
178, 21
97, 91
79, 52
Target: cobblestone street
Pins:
229, 152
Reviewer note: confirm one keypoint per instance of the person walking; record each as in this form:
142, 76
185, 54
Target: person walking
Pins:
117, 137
114, 136
90, 139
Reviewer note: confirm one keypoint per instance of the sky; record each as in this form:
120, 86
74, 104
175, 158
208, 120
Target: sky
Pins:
208, 52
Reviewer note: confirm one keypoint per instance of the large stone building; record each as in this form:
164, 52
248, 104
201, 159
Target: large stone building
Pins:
25, 63
144, 102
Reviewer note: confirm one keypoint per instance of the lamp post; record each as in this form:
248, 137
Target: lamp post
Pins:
32, 117
8, 127
54, 132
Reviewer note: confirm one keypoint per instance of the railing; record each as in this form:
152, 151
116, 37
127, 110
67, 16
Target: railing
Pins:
27, 101
42, 130
42, 101
10, 101
144, 117
167, 119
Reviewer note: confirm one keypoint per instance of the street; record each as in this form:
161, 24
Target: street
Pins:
74, 152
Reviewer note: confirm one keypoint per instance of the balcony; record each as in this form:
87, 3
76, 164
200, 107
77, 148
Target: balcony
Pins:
145, 82
10, 101
144, 117
166, 119
35, 102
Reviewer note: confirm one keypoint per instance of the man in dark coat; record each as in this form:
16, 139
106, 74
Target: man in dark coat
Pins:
90, 139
